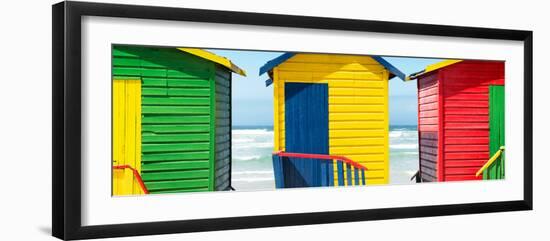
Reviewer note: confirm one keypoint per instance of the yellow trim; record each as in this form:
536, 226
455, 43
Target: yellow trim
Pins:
440, 65
493, 159
126, 135
279, 111
436, 66
276, 84
386, 174
214, 58
346, 181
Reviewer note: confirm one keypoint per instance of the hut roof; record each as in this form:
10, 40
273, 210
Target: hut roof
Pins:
432, 67
282, 58
214, 58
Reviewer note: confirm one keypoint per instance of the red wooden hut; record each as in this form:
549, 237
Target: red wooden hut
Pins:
460, 120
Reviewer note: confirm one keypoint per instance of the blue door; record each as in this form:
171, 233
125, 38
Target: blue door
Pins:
306, 131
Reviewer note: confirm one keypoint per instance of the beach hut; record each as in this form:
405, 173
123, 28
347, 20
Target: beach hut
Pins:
171, 120
461, 120
330, 119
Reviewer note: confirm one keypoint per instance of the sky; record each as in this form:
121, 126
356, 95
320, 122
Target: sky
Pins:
253, 102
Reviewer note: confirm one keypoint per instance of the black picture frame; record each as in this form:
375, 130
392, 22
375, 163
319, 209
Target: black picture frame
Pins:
66, 127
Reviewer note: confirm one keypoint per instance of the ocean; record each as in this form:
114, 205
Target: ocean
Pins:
252, 164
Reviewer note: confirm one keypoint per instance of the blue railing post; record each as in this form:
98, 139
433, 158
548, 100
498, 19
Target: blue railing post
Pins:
278, 171
363, 177
340, 167
324, 174
330, 172
348, 172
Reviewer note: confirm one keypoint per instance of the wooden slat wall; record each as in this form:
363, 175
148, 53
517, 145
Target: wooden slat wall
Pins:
175, 116
279, 112
428, 126
358, 106
126, 135
223, 130
466, 116
497, 134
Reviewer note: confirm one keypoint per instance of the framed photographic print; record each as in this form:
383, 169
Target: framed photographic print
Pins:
170, 120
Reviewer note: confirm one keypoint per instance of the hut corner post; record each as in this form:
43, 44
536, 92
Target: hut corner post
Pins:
212, 157
418, 176
441, 129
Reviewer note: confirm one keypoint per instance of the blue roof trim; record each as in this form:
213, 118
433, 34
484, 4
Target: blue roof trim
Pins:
275, 62
268, 82
390, 67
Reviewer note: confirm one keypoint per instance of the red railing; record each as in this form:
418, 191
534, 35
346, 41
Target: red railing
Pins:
136, 175
321, 156
288, 175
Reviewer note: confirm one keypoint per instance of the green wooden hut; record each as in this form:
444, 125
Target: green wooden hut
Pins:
171, 120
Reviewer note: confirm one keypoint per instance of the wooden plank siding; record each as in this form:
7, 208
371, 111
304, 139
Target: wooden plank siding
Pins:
497, 133
223, 130
279, 110
428, 126
176, 116
466, 116
306, 106
462, 130
358, 106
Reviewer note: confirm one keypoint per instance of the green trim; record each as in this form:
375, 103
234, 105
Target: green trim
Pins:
496, 131
212, 179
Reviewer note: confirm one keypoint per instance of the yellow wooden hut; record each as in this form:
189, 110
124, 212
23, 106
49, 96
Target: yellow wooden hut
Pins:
334, 105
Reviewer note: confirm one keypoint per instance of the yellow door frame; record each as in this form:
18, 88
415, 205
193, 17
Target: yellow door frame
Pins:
126, 135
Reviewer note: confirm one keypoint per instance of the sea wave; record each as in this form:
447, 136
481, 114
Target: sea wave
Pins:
247, 158
253, 173
242, 140
403, 146
394, 134
252, 132
253, 145
255, 179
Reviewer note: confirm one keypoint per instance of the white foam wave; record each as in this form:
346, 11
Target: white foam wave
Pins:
247, 158
395, 133
242, 140
403, 146
252, 132
254, 145
256, 179
253, 173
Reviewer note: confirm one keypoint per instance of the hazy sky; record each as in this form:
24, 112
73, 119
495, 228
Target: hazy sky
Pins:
253, 101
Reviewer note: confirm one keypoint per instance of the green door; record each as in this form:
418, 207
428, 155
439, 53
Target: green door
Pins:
496, 135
